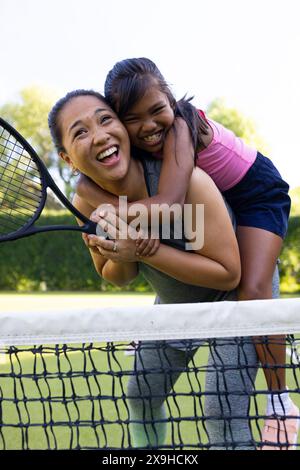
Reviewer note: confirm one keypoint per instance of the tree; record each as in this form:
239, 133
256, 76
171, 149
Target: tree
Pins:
233, 119
295, 196
29, 115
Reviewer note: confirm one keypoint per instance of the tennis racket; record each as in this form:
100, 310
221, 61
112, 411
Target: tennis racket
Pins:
24, 180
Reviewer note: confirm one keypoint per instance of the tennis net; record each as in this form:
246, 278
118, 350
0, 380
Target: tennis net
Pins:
182, 376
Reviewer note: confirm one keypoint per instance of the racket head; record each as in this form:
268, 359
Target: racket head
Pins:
23, 184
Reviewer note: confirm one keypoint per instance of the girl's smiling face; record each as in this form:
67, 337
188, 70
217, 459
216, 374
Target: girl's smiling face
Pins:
94, 139
148, 121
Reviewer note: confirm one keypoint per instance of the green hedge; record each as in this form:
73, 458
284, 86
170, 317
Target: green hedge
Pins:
290, 258
60, 261
53, 261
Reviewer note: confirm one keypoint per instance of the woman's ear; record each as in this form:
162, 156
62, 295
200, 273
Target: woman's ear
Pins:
65, 157
69, 162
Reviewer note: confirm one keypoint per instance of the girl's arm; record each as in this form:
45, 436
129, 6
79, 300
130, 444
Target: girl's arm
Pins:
93, 194
177, 167
115, 272
216, 265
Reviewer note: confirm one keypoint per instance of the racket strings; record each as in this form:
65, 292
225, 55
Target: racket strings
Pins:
19, 189
20, 185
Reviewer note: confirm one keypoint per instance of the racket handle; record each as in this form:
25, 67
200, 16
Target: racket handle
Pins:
94, 229
91, 227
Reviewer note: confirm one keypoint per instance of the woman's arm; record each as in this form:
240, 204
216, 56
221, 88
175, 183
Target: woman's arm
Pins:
216, 265
118, 273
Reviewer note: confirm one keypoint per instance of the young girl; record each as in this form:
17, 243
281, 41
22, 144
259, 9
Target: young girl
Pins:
249, 181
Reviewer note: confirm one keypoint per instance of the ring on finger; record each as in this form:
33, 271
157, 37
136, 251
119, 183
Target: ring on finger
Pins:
115, 247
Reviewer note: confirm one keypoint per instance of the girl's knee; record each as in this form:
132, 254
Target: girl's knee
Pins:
255, 290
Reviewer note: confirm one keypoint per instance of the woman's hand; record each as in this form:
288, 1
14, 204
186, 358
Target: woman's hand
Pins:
117, 229
90, 246
119, 251
121, 245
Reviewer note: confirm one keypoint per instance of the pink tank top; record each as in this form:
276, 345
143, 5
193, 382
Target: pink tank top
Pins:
227, 158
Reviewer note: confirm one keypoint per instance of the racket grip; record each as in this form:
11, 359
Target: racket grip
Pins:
94, 229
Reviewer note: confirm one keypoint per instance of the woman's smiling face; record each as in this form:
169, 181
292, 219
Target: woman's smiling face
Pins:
94, 139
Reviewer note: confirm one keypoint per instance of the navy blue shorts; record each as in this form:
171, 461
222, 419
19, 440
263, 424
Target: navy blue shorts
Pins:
261, 198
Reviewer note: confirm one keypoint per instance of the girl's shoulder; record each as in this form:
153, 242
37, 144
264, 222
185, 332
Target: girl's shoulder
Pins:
206, 137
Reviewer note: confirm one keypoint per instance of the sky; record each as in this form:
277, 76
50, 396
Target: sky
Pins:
244, 51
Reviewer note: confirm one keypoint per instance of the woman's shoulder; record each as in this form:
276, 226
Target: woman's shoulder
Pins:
200, 177
203, 190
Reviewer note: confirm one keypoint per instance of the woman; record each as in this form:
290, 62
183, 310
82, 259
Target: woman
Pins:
90, 137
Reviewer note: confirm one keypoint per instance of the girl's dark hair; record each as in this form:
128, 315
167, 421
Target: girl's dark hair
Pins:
129, 80
58, 107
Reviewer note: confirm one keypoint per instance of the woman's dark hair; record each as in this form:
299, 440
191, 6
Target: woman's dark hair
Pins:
57, 108
129, 80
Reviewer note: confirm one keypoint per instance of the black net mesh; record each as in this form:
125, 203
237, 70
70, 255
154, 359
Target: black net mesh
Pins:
208, 394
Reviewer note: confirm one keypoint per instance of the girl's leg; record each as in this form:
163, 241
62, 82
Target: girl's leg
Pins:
148, 389
259, 251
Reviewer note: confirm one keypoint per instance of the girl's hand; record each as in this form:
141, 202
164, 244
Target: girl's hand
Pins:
146, 246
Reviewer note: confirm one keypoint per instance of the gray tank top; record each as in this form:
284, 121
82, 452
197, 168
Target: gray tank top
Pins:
168, 289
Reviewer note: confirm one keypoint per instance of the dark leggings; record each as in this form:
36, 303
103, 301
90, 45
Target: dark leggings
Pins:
147, 392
